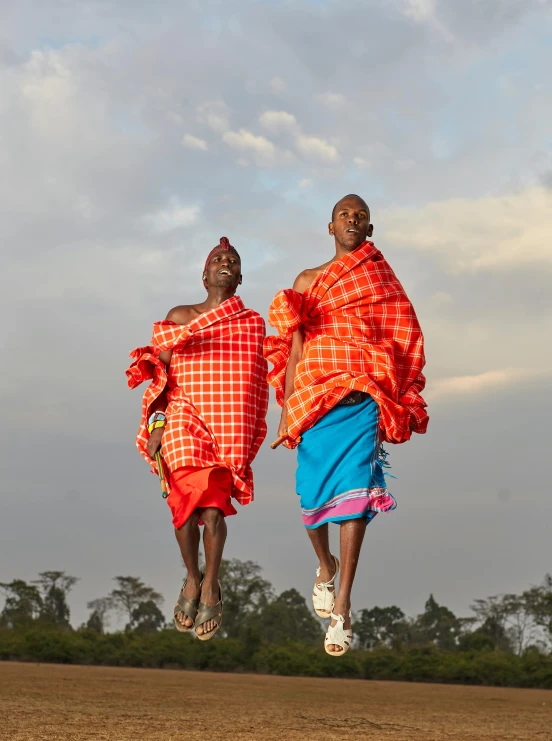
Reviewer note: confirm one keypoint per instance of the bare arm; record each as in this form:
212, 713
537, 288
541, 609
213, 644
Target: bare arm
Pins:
296, 353
179, 315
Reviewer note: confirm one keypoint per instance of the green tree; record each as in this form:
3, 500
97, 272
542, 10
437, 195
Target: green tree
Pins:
147, 617
130, 594
99, 610
379, 626
509, 619
22, 606
538, 602
484, 638
246, 593
287, 618
438, 625
55, 587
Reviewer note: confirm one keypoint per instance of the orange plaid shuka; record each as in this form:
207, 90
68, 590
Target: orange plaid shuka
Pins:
361, 333
216, 391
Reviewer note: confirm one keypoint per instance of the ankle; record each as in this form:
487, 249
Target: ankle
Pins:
210, 584
194, 578
327, 566
342, 604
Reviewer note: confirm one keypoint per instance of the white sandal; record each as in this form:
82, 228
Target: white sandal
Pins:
323, 598
338, 636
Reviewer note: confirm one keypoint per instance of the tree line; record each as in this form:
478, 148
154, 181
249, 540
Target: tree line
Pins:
507, 639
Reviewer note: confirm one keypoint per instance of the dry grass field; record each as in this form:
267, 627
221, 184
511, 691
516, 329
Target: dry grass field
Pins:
77, 703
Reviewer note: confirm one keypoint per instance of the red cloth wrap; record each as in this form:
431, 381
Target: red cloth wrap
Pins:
361, 333
193, 488
216, 391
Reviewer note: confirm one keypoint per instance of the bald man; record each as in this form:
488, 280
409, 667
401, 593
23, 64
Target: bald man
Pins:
348, 363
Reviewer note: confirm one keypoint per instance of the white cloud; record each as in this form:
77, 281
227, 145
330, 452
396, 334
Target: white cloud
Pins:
174, 216
332, 101
278, 85
85, 206
362, 162
48, 78
175, 117
305, 183
490, 233
425, 11
215, 114
404, 165
81, 124
419, 10
312, 146
245, 140
194, 142
482, 382
441, 298
278, 121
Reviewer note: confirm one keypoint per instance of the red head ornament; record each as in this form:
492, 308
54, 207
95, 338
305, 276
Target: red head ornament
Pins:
223, 246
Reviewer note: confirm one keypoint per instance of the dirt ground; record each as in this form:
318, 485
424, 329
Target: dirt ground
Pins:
74, 703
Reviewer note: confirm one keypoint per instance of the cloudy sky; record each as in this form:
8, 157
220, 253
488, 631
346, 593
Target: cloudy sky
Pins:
134, 134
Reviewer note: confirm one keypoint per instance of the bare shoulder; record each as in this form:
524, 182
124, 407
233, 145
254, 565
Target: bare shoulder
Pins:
305, 279
182, 314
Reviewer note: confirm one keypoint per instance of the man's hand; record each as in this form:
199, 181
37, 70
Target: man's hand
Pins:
154, 442
282, 429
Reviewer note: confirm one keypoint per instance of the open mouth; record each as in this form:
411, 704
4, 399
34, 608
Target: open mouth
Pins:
224, 271
352, 231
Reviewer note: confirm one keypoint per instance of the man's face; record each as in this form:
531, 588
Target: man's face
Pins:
224, 270
350, 224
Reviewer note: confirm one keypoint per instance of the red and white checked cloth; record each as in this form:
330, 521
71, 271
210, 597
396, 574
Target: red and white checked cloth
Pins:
216, 389
361, 332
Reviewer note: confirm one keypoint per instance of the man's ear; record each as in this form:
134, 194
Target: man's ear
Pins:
370, 230
240, 280
330, 229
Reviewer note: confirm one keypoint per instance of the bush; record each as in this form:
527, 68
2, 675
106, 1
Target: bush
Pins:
171, 649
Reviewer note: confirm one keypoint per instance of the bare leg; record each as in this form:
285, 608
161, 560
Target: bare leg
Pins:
321, 544
188, 540
351, 537
214, 537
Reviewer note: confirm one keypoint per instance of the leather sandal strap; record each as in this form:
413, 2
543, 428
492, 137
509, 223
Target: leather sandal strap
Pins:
206, 613
188, 607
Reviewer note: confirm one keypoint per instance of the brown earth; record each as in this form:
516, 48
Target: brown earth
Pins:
74, 703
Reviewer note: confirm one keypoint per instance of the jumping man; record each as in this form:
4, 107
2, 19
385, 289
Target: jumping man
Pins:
205, 408
348, 363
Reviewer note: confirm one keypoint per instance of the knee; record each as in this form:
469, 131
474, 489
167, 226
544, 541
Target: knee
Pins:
212, 518
191, 523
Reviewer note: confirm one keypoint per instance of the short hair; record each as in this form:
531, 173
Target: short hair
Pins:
350, 195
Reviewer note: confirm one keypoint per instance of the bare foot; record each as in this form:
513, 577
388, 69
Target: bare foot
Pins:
191, 591
210, 596
341, 607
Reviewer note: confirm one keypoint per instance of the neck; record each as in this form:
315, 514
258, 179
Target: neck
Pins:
341, 251
216, 295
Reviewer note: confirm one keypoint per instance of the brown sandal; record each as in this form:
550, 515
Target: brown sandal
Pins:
187, 607
206, 613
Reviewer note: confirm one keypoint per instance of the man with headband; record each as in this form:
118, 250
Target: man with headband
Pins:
205, 408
